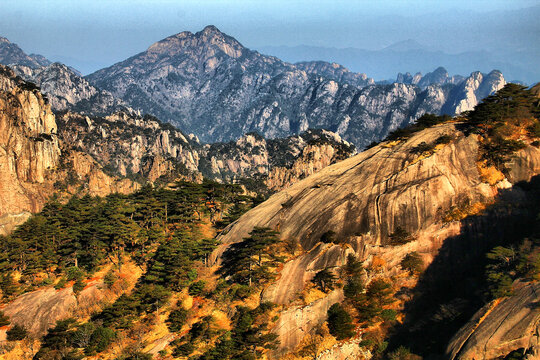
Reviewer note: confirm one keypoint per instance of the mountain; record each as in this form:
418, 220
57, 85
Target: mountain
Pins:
68, 90
74, 153
423, 244
335, 72
438, 77
210, 85
12, 54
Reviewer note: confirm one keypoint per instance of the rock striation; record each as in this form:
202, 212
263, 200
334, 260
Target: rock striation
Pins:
501, 327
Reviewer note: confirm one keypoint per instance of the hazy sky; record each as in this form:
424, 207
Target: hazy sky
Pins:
90, 34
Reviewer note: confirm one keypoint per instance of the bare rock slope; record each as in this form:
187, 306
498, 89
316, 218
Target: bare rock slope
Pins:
366, 198
501, 327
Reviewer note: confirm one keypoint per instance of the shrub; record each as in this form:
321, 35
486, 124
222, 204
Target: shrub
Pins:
340, 322
443, 139
400, 236
412, 262
353, 288
17, 332
184, 349
422, 148
403, 353
388, 315
177, 318
4, 320
101, 339
74, 273
60, 284
109, 279
78, 286
328, 237
197, 288
240, 292
324, 280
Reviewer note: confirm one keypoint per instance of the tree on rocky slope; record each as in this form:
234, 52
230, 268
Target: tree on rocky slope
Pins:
251, 259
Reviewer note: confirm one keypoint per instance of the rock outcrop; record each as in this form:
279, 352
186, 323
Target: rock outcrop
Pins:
366, 198
336, 72
132, 145
68, 90
29, 148
34, 162
500, 327
210, 85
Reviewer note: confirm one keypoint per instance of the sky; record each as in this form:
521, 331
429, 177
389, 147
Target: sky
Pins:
91, 34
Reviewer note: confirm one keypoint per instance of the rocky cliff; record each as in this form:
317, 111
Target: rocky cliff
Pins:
34, 162
30, 151
209, 84
500, 327
365, 199
145, 148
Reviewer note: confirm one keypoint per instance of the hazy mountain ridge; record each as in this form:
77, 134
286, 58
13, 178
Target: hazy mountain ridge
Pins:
399, 57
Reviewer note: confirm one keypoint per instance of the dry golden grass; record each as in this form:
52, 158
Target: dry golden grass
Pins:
489, 174
390, 144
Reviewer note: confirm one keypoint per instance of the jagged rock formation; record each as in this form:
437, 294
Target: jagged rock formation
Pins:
336, 72
209, 84
501, 327
366, 198
438, 77
143, 146
11, 53
34, 163
68, 90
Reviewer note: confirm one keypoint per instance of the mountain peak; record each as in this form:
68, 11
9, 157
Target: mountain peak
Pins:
4, 40
211, 29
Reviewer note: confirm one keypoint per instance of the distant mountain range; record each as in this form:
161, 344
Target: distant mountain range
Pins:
210, 85
410, 55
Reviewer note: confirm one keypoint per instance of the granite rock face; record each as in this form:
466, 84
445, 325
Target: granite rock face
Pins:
500, 327
29, 148
208, 84
33, 158
365, 198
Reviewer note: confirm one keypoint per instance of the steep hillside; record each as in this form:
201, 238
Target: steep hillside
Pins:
406, 195
11, 53
207, 83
